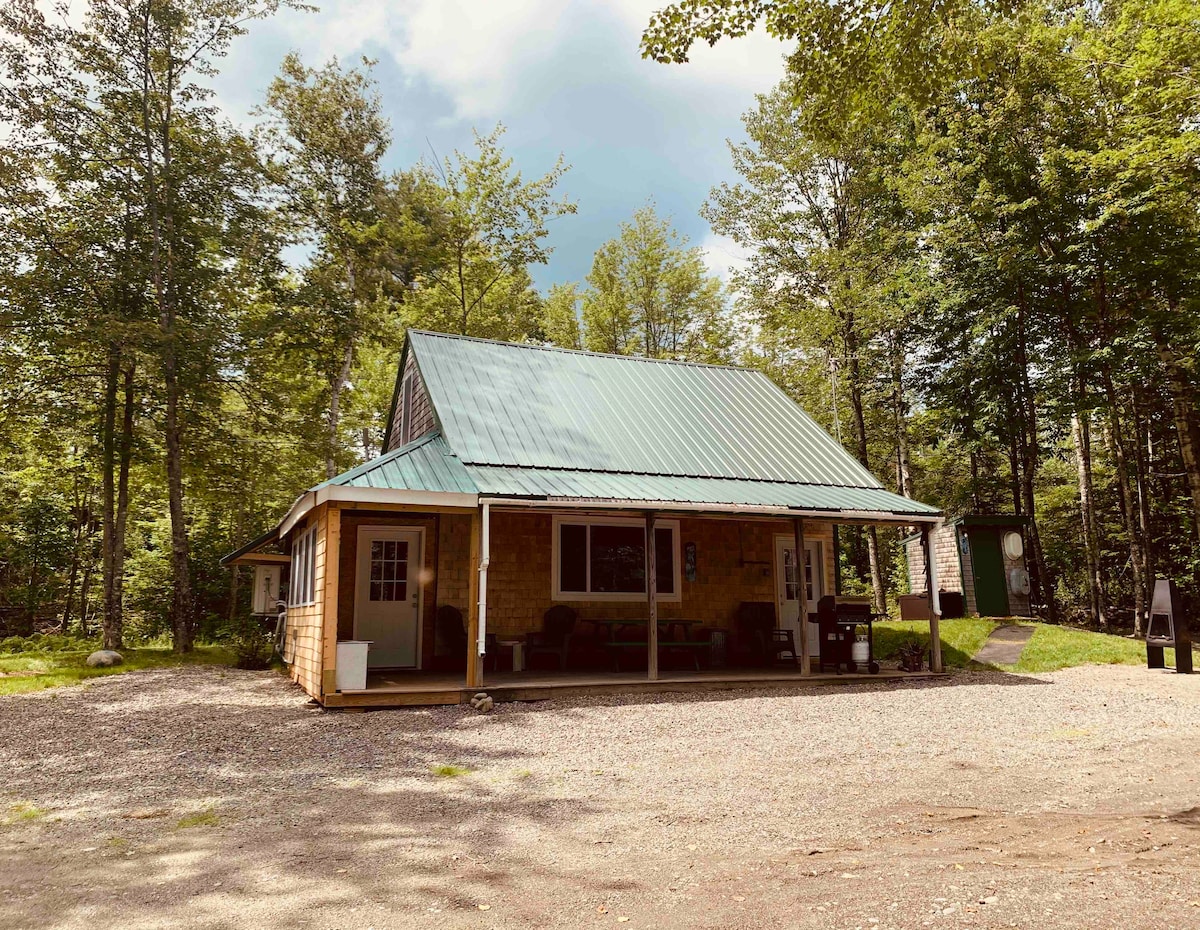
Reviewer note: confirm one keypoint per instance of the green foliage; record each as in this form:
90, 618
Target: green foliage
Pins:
450, 771
649, 294
961, 638
1052, 648
251, 644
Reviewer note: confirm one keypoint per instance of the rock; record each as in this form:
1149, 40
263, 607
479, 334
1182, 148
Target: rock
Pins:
482, 702
104, 658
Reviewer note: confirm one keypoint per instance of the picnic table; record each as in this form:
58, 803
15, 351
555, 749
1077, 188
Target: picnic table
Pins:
620, 634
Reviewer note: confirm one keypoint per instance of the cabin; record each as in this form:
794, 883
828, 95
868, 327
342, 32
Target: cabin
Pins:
545, 521
981, 567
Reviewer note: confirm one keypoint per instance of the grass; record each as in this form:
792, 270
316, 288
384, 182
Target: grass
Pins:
200, 819
22, 812
33, 671
450, 771
961, 638
1055, 647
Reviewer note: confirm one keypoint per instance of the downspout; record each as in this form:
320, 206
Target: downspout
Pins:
484, 559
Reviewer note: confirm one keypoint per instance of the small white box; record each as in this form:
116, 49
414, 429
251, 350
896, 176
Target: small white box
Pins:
351, 671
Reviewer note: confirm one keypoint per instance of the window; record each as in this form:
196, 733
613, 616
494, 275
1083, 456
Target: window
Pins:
604, 559
304, 557
789, 574
389, 570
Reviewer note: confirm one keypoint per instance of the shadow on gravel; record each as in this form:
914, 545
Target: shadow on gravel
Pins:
286, 802
955, 679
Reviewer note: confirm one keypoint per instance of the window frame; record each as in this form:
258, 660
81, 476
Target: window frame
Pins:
627, 597
302, 587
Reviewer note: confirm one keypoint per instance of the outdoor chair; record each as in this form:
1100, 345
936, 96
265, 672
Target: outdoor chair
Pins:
758, 641
554, 638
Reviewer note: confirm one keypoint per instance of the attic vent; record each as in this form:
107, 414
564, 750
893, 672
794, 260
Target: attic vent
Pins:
406, 409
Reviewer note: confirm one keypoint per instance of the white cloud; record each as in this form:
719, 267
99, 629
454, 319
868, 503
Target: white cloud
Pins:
481, 53
723, 256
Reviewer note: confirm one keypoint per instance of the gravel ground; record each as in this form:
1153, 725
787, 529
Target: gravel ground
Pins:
204, 797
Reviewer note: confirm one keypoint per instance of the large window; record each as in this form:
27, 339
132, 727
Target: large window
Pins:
604, 559
304, 558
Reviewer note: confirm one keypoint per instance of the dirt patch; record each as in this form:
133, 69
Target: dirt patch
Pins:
201, 797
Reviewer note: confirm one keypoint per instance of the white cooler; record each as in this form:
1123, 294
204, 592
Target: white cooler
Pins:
352, 664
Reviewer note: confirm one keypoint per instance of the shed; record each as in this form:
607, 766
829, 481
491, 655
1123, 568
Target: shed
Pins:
981, 557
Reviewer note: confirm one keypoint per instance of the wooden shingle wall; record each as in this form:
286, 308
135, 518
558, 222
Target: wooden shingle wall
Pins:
421, 412
735, 562
944, 541
303, 642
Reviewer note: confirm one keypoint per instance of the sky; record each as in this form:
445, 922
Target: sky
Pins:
564, 76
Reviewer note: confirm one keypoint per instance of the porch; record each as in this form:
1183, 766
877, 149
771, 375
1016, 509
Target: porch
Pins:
438, 597
415, 688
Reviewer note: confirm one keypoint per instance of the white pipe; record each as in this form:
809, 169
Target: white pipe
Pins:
935, 600
485, 556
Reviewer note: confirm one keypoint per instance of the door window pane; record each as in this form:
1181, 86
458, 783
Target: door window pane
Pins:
389, 570
790, 587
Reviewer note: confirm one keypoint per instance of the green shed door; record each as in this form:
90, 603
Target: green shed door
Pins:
987, 562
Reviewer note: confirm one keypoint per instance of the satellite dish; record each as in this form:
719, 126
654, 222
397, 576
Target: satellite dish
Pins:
1014, 546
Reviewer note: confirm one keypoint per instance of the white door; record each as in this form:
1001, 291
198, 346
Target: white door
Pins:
795, 606
387, 602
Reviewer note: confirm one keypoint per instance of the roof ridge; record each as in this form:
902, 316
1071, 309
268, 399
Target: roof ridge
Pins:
613, 355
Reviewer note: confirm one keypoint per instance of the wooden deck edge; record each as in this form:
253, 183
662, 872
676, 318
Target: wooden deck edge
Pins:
395, 697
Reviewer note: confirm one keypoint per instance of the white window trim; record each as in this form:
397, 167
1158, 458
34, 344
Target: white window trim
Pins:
302, 587
612, 596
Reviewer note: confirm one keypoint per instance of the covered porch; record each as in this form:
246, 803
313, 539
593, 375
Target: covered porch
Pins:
455, 600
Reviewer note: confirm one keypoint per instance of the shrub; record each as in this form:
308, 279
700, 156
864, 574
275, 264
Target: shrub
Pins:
251, 645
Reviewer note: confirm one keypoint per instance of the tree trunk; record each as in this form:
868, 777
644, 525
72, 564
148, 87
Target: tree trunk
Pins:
160, 198
1142, 461
900, 412
1081, 438
1183, 400
335, 410
860, 436
124, 461
1115, 438
1043, 583
110, 621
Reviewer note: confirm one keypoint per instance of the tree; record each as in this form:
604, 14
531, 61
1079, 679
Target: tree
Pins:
325, 127
650, 294
491, 227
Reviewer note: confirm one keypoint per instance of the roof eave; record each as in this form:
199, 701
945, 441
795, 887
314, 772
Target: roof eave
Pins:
308, 501
844, 516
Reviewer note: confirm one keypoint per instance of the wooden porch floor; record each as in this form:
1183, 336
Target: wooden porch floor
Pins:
416, 689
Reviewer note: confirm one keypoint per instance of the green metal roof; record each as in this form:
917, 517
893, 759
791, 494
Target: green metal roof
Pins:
558, 484
425, 464
534, 423
536, 407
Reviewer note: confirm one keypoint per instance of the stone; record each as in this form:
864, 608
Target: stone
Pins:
104, 658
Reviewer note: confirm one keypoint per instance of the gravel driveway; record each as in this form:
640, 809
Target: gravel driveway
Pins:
204, 797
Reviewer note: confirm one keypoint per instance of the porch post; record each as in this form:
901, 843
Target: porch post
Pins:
651, 600
802, 596
329, 599
474, 667
935, 602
